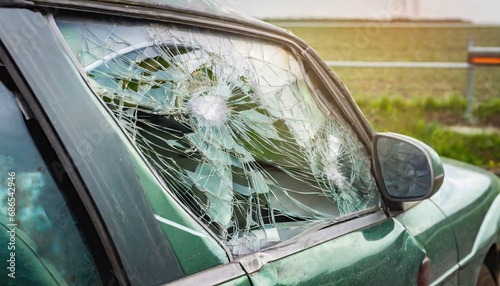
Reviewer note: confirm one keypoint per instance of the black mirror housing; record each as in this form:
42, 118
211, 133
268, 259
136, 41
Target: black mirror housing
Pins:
407, 170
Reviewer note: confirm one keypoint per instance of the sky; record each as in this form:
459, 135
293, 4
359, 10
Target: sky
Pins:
477, 11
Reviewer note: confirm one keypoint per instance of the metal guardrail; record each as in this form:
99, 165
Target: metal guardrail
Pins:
476, 56
484, 55
432, 65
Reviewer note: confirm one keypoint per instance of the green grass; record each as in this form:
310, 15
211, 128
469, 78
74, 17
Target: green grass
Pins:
427, 120
373, 83
421, 103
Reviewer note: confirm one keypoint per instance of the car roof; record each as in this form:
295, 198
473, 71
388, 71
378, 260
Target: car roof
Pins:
195, 8
201, 11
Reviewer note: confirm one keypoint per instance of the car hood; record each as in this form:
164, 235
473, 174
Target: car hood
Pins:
466, 196
464, 184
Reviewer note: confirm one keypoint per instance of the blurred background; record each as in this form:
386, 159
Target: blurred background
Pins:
405, 64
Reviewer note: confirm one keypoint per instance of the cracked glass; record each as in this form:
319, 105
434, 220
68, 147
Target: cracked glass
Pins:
230, 124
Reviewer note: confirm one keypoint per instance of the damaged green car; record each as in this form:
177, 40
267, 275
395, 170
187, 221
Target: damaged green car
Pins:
156, 142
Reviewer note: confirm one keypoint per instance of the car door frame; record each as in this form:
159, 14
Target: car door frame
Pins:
321, 233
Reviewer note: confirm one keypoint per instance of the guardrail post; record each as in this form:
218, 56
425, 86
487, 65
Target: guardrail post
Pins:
478, 56
470, 88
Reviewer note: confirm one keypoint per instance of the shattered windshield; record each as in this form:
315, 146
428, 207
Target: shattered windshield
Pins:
230, 124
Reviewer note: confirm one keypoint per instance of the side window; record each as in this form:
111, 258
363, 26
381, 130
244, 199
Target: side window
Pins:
231, 125
40, 240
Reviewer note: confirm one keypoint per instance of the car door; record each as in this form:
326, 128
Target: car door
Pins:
383, 253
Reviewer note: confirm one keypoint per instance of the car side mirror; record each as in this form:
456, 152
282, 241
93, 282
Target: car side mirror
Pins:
406, 169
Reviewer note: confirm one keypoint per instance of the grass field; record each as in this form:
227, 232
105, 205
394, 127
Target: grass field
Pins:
423, 103
396, 44
406, 44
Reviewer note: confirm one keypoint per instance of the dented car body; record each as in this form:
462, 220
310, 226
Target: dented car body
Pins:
179, 142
